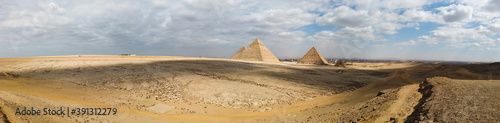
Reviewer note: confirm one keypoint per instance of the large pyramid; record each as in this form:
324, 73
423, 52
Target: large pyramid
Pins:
312, 57
255, 52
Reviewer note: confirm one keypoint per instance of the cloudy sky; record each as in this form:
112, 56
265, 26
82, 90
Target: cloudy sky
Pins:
456, 30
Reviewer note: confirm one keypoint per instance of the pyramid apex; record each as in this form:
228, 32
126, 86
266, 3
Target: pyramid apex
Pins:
313, 50
256, 41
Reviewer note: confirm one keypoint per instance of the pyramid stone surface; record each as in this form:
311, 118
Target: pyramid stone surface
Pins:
257, 51
312, 57
238, 53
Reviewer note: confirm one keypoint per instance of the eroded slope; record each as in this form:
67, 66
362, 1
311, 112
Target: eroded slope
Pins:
451, 100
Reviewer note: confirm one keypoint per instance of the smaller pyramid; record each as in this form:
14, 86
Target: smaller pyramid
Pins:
312, 57
238, 53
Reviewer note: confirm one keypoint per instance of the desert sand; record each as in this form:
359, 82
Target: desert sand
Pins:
184, 89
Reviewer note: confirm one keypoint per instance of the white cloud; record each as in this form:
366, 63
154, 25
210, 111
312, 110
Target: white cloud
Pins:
494, 26
52, 7
389, 28
382, 21
418, 15
384, 4
379, 45
43, 15
286, 37
204, 5
493, 6
357, 34
457, 36
480, 9
345, 16
283, 18
347, 34
160, 4
17, 19
454, 13
474, 45
158, 25
411, 42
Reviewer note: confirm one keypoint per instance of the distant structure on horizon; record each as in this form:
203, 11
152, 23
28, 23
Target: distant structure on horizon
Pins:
127, 54
257, 51
312, 57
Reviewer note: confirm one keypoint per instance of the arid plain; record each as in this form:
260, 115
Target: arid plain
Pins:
185, 89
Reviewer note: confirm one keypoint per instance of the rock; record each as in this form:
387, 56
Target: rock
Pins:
383, 92
160, 108
255, 104
393, 120
380, 93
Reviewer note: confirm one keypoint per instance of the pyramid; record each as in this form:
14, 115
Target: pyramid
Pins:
257, 51
238, 53
312, 57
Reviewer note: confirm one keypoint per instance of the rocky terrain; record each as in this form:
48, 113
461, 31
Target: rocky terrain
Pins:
452, 100
176, 89
3, 118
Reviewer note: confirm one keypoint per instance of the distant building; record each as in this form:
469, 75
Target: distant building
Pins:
127, 54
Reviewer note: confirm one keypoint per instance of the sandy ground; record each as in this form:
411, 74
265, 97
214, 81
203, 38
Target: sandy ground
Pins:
183, 89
